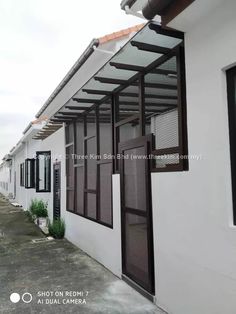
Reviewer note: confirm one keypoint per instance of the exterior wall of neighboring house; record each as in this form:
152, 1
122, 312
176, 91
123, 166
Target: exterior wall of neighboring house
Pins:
55, 144
5, 178
194, 236
19, 158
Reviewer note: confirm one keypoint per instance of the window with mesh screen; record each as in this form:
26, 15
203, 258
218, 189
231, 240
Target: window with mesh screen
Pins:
163, 114
89, 176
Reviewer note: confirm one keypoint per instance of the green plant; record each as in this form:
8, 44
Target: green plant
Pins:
33, 206
38, 208
57, 228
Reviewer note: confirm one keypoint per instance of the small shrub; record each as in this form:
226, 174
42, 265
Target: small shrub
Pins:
57, 228
33, 206
41, 210
38, 208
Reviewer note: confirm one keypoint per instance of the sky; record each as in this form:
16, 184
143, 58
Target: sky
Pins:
40, 40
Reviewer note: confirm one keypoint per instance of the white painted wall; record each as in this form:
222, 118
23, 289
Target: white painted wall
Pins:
194, 240
55, 143
100, 242
5, 178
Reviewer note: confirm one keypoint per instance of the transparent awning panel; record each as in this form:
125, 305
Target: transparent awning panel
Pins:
169, 65
149, 36
156, 100
85, 95
161, 82
162, 79
134, 56
96, 85
111, 72
124, 98
160, 91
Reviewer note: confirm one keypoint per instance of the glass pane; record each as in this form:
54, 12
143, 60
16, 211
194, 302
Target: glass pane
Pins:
80, 190
134, 56
161, 111
69, 166
47, 172
91, 123
105, 131
28, 164
91, 205
91, 163
128, 106
93, 84
41, 172
129, 131
137, 247
146, 36
112, 72
79, 143
70, 200
162, 161
106, 193
134, 178
69, 130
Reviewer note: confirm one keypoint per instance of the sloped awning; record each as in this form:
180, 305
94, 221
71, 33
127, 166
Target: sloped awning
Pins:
48, 130
151, 46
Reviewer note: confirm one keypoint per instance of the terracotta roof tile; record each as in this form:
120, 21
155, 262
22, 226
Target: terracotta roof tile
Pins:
41, 119
121, 33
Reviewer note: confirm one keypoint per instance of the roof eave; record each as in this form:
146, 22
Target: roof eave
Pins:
83, 58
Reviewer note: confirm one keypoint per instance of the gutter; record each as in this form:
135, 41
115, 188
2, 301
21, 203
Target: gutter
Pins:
156, 7
84, 57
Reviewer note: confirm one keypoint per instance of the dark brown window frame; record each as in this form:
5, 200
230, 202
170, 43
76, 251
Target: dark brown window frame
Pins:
231, 90
95, 191
182, 149
22, 174
38, 190
31, 161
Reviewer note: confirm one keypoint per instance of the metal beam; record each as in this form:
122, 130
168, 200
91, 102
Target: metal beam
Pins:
149, 47
157, 85
77, 107
124, 82
86, 101
163, 72
68, 113
96, 92
127, 94
128, 67
107, 80
57, 120
133, 103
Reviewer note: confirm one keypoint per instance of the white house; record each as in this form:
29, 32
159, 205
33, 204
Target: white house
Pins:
135, 149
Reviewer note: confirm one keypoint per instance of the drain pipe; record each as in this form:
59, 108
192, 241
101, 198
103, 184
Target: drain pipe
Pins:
155, 7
